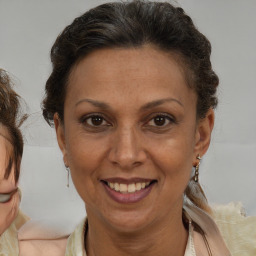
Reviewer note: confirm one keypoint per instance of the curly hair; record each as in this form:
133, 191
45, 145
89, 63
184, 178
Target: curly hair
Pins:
132, 24
11, 119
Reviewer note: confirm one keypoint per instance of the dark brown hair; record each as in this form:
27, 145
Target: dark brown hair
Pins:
11, 119
132, 24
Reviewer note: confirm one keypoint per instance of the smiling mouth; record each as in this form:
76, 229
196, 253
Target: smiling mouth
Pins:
128, 188
128, 191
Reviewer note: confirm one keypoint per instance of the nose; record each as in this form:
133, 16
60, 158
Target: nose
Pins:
127, 151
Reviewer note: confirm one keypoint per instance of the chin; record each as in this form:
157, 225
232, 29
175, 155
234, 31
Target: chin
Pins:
128, 222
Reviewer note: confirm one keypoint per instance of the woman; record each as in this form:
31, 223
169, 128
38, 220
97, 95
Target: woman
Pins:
132, 98
18, 234
11, 149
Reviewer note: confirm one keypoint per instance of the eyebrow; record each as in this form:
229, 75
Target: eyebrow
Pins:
149, 105
157, 103
95, 103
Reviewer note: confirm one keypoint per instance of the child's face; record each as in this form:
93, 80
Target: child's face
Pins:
9, 196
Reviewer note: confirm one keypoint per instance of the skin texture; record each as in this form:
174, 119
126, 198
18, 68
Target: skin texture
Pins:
8, 210
129, 88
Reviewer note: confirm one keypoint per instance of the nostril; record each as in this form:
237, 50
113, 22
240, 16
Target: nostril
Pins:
126, 148
137, 163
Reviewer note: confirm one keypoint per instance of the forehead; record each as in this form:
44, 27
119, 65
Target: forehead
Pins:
145, 73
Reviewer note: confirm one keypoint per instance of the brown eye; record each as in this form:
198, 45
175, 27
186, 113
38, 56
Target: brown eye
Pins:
96, 120
160, 121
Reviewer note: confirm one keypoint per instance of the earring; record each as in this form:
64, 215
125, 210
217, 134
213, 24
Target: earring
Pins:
68, 172
196, 176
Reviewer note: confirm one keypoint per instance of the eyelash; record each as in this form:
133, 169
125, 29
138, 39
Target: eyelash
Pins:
171, 120
166, 117
84, 120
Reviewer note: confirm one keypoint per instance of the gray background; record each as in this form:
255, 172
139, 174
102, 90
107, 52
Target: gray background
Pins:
28, 28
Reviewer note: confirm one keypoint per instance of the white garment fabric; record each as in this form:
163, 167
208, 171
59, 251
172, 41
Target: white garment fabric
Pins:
9, 244
27, 237
190, 248
223, 240
75, 246
238, 231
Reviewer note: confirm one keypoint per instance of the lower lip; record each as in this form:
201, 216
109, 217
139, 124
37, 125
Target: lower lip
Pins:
128, 198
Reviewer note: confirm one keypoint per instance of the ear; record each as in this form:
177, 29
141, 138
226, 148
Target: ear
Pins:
203, 133
60, 133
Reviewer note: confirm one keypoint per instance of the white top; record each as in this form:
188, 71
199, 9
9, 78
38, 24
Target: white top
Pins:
235, 234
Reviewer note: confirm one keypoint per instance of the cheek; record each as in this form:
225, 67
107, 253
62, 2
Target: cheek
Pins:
174, 152
174, 158
85, 157
85, 154
175, 172
8, 184
11, 178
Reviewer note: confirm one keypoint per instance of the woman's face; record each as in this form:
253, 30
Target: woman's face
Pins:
130, 135
9, 208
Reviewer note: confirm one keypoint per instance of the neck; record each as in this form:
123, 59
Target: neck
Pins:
166, 238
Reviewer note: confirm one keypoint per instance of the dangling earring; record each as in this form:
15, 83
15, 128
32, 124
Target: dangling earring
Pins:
68, 171
196, 176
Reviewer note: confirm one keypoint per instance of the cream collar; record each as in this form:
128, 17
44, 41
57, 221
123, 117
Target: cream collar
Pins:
196, 245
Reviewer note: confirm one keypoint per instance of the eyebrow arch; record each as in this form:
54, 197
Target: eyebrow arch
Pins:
95, 103
156, 103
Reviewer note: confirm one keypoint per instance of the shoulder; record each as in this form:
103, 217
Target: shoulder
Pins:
43, 247
238, 231
9, 239
75, 244
208, 229
42, 238
9, 242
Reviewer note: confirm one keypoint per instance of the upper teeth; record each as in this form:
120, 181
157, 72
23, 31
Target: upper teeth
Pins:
128, 188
